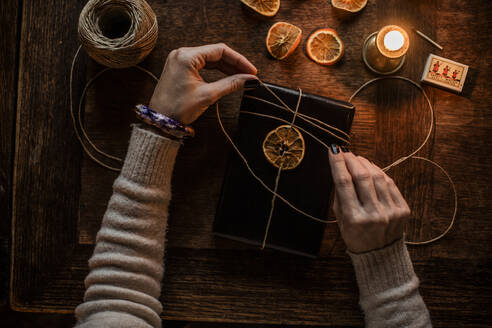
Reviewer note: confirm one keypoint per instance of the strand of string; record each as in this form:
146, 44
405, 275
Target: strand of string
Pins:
286, 122
395, 163
272, 208
431, 125
413, 157
279, 172
412, 154
84, 136
78, 125
256, 177
310, 120
303, 116
455, 199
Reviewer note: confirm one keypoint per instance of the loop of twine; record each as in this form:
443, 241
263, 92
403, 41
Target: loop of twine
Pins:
310, 120
77, 123
333, 131
118, 49
412, 155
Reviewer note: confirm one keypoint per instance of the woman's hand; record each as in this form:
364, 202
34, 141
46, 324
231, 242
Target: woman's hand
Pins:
182, 94
369, 207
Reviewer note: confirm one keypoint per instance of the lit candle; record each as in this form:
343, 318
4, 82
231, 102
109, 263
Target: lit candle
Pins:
384, 51
394, 40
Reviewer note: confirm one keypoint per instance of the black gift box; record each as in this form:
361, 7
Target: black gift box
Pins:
245, 205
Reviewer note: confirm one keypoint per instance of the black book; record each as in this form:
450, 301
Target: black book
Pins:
245, 205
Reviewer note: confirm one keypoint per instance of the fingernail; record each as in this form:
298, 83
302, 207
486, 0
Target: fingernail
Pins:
334, 149
344, 149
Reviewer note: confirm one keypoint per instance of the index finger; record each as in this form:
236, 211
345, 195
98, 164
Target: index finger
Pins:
342, 179
222, 57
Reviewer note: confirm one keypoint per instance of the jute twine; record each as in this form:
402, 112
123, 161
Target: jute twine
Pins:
118, 33
284, 106
90, 148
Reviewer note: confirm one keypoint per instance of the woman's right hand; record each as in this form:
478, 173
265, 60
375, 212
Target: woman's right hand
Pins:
369, 208
182, 94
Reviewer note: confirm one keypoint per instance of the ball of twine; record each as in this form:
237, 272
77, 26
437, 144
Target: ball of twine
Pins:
118, 33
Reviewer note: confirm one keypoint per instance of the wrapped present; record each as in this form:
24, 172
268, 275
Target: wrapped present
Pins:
289, 158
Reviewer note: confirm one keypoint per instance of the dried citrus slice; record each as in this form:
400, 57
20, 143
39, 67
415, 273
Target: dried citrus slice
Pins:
282, 39
284, 147
324, 46
352, 6
263, 7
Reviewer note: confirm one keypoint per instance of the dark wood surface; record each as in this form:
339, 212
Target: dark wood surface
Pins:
59, 195
9, 43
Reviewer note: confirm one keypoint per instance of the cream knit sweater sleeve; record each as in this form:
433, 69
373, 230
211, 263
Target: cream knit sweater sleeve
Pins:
126, 268
388, 288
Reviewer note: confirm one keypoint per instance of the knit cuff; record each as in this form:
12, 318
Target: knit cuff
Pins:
383, 269
150, 157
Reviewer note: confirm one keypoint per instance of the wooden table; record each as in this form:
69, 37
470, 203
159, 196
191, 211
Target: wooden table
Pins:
58, 196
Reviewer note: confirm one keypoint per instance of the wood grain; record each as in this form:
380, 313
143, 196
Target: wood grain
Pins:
46, 169
212, 279
8, 82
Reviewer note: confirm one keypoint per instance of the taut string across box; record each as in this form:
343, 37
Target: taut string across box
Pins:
395, 163
90, 148
277, 179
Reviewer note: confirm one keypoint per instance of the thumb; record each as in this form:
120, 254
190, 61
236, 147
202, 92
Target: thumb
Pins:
218, 89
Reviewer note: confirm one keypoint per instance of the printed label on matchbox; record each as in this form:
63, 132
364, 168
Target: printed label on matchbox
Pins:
445, 73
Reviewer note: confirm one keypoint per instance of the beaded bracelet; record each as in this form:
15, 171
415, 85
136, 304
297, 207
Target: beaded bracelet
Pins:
164, 123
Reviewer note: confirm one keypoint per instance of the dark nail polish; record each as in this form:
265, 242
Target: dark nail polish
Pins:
253, 83
334, 149
344, 149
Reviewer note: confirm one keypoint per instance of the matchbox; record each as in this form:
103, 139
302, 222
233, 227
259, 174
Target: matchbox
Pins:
444, 73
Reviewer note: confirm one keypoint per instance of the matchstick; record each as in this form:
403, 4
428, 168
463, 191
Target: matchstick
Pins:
428, 39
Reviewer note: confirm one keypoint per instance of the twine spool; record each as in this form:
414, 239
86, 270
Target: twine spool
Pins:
118, 33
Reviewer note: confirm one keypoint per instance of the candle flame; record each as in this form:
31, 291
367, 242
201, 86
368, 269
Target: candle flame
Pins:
394, 40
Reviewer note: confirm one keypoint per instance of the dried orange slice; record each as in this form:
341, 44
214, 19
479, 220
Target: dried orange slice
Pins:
282, 39
324, 46
352, 6
264, 7
284, 147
